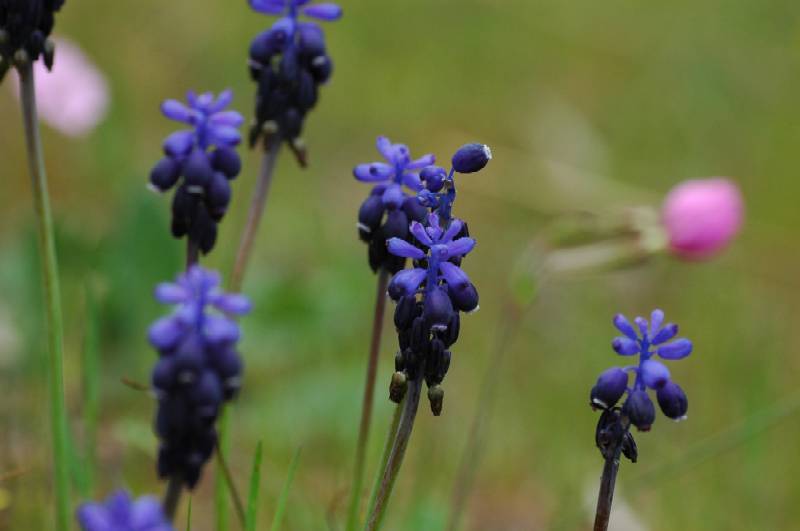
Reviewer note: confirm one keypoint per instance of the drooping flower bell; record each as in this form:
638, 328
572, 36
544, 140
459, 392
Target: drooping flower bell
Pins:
289, 62
389, 208
25, 27
199, 369
646, 340
200, 161
119, 512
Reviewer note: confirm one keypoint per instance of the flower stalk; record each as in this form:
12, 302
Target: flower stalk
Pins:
52, 293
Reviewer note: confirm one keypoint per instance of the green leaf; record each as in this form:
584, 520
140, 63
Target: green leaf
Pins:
284, 497
255, 483
189, 516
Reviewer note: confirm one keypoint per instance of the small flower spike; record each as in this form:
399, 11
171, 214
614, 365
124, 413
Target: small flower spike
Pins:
289, 62
25, 27
431, 295
121, 513
199, 161
646, 340
389, 208
199, 369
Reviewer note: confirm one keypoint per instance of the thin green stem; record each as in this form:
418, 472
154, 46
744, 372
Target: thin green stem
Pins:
52, 295
237, 499
607, 483
366, 406
387, 449
399, 445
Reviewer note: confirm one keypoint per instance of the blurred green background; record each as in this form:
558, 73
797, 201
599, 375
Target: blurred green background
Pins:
587, 106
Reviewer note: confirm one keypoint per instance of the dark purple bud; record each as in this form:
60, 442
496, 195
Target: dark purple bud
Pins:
306, 96
624, 346
450, 336
464, 296
163, 377
673, 401
640, 410
196, 169
396, 225
288, 67
665, 334
471, 158
218, 195
165, 174
434, 177
610, 387
311, 40
414, 209
438, 309
291, 122
405, 312
227, 161
678, 349
370, 216
266, 45
321, 68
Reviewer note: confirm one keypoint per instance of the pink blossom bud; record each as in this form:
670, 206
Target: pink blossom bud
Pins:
702, 216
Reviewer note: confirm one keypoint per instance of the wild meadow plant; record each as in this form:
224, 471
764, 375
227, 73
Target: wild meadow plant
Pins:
121, 513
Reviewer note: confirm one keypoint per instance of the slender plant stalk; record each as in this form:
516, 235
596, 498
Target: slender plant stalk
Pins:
172, 497
52, 295
91, 392
237, 500
257, 205
399, 445
192, 253
283, 499
366, 406
607, 482
387, 449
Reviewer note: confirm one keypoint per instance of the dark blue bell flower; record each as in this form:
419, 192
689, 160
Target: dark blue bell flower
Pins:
611, 385
120, 512
438, 309
640, 410
471, 158
673, 401
226, 160
165, 174
434, 177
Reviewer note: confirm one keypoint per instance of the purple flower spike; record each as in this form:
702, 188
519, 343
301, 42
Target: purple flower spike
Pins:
121, 513
647, 340
198, 370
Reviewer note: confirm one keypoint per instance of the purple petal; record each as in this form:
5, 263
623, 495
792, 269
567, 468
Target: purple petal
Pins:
170, 293
406, 282
625, 346
641, 324
623, 325
385, 148
175, 110
412, 181
393, 196
419, 233
232, 303
460, 247
373, 172
323, 11
665, 334
229, 118
452, 231
179, 143
453, 275
220, 330
678, 349
656, 319
93, 516
226, 136
425, 160
433, 220
205, 100
654, 374
404, 249
165, 333
147, 514
268, 7
223, 100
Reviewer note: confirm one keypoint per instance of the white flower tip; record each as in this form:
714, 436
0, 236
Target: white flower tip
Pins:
477, 308
488, 151
600, 403
361, 226
155, 189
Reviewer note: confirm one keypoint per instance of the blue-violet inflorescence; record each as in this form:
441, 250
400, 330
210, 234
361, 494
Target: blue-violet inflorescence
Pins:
646, 340
199, 369
25, 27
121, 513
289, 62
431, 295
392, 203
200, 161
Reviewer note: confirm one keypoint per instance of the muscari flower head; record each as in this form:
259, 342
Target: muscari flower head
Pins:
431, 295
25, 26
647, 340
119, 512
200, 161
289, 62
388, 209
199, 368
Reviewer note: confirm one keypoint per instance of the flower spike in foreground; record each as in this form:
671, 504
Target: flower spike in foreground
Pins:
204, 155
198, 370
121, 513
289, 62
25, 27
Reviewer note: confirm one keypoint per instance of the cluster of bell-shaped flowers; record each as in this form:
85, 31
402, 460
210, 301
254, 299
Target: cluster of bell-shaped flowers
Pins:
25, 27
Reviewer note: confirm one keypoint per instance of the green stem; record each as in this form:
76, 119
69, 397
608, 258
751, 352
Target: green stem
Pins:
366, 406
399, 445
54, 322
237, 499
387, 449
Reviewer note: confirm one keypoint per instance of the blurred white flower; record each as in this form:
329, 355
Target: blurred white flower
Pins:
74, 97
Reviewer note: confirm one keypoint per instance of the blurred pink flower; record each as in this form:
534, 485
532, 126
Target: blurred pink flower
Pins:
702, 216
74, 97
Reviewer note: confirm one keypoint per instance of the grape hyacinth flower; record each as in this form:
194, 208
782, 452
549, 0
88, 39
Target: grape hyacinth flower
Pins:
289, 62
702, 216
199, 369
121, 513
25, 27
204, 156
388, 209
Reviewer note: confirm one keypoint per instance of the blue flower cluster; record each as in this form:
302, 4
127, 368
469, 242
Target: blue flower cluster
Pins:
430, 295
289, 62
199, 369
25, 26
205, 156
387, 211
647, 340
121, 513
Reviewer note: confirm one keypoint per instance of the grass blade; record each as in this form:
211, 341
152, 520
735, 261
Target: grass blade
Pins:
255, 484
284, 498
91, 392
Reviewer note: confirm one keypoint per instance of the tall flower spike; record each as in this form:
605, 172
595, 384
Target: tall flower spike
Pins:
647, 340
199, 369
289, 62
121, 513
200, 161
388, 209
25, 27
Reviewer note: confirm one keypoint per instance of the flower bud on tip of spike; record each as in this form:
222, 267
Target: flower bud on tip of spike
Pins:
397, 387
472, 158
436, 398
